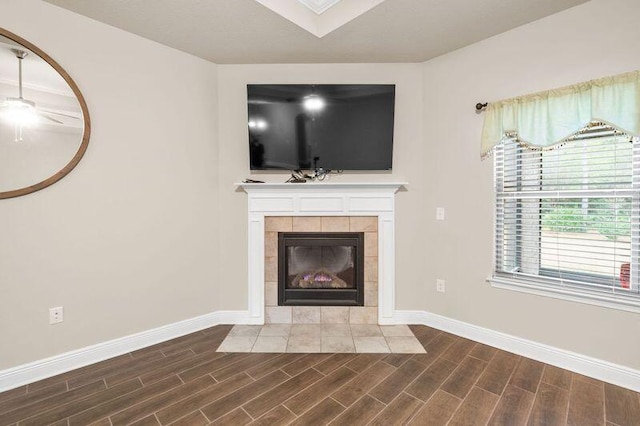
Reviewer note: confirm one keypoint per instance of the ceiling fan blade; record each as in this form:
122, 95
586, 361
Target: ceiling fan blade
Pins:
59, 113
49, 118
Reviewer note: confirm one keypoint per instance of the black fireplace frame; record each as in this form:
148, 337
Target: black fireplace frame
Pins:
321, 296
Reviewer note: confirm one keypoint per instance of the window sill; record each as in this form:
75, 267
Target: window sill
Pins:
611, 301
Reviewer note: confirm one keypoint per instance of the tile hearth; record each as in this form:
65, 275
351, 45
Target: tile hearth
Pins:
321, 338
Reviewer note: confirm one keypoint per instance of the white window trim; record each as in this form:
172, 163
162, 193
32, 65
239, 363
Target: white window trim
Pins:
541, 287
607, 300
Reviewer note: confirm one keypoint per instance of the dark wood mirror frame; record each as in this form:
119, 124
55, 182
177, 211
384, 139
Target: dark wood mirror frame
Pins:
85, 114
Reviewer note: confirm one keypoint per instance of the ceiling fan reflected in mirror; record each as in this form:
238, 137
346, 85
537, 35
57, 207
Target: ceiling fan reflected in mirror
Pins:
23, 112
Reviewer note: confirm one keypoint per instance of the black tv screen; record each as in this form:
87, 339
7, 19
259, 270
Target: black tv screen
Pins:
321, 126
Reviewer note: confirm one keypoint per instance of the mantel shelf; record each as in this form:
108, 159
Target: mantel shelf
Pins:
322, 187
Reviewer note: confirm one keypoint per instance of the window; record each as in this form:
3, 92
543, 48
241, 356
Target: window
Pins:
567, 219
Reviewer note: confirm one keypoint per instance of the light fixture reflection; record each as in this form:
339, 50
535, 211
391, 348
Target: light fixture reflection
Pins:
313, 103
20, 112
258, 124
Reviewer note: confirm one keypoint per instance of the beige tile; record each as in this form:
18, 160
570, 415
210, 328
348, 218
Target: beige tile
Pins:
371, 269
338, 344
278, 224
363, 315
303, 344
272, 330
245, 331
371, 345
306, 315
306, 330
396, 331
370, 244
307, 224
371, 285
336, 330
271, 244
271, 269
278, 314
271, 293
270, 344
370, 296
335, 224
405, 345
237, 344
363, 224
334, 314
365, 330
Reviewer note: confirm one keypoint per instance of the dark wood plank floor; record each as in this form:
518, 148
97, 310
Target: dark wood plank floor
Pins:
185, 382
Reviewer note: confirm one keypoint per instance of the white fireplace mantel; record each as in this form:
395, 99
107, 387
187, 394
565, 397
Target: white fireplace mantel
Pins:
322, 199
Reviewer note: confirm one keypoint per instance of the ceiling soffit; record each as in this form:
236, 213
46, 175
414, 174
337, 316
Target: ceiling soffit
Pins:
318, 6
320, 17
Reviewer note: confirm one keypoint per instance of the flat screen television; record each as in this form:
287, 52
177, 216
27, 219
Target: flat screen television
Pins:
321, 126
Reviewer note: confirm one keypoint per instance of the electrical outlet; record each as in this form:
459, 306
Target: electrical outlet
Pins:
440, 213
56, 315
440, 285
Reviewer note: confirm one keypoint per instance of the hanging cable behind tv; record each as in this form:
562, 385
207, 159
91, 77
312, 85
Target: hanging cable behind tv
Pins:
319, 174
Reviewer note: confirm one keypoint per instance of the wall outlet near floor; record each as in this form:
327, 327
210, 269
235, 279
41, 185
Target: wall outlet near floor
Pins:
56, 315
440, 213
440, 285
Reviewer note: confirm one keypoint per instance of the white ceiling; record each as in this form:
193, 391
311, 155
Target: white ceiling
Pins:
246, 31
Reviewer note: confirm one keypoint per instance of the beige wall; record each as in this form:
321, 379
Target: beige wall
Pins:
127, 241
596, 39
234, 158
150, 229
437, 151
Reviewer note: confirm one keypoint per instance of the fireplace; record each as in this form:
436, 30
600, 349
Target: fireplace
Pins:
321, 207
321, 268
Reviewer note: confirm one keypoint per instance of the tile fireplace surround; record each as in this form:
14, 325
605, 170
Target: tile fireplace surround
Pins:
367, 314
366, 207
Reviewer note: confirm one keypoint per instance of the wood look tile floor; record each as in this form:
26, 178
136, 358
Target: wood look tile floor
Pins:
186, 382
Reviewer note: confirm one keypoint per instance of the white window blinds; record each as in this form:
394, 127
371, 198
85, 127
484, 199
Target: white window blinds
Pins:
568, 218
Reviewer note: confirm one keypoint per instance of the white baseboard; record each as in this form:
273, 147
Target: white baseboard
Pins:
582, 364
592, 367
48, 367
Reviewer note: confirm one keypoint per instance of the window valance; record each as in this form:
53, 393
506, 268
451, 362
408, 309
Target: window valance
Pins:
542, 120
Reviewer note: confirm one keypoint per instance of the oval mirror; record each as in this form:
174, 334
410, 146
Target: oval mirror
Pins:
44, 121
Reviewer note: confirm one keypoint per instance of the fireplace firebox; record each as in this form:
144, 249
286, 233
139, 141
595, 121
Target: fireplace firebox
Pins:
321, 268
